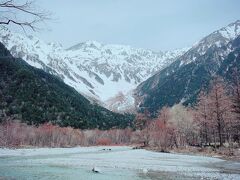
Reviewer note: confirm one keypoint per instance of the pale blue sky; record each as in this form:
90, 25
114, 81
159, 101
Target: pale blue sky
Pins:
152, 24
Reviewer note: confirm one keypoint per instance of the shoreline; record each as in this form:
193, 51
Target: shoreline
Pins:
181, 151
203, 152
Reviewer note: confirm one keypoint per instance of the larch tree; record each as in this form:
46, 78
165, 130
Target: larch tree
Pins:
236, 105
161, 131
202, 117
220, 106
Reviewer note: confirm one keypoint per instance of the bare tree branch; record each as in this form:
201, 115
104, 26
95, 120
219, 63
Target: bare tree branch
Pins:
13, 13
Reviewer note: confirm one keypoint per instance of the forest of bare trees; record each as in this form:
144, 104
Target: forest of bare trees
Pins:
16, 134
213, 122
217, 115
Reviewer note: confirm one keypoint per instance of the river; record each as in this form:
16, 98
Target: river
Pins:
114, 163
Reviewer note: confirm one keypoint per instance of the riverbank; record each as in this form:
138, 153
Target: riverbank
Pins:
222, 153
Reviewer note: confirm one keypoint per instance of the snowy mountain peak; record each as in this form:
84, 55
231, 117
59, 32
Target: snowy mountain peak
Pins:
94, 69
223, 35
231, 31
110, 48
216, 39
87, 44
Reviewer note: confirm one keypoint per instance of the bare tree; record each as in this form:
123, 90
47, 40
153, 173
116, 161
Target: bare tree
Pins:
24, 14
185, 128
161, 131
236, 104
202, 117
220, 106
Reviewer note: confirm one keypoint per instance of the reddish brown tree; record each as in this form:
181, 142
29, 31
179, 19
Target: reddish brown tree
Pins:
202, 117
220, 106
214, 113
236, 105
104, 141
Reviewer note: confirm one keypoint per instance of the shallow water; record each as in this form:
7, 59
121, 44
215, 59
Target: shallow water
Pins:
121, 163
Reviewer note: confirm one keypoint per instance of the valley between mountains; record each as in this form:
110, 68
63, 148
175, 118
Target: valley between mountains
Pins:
122, 78
92, 109
106, 74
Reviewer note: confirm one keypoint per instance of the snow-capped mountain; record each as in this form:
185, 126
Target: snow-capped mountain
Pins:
96, 70
216, 54
216, 39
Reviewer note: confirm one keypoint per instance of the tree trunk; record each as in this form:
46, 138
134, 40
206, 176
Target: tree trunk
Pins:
220, 133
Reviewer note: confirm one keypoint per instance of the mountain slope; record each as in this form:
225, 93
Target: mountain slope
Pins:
184, 78
35, 97
95, 70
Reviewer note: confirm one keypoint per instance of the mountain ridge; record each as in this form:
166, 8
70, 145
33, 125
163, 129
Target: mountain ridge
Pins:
95, 70
181, 81
31, 95
109, 74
